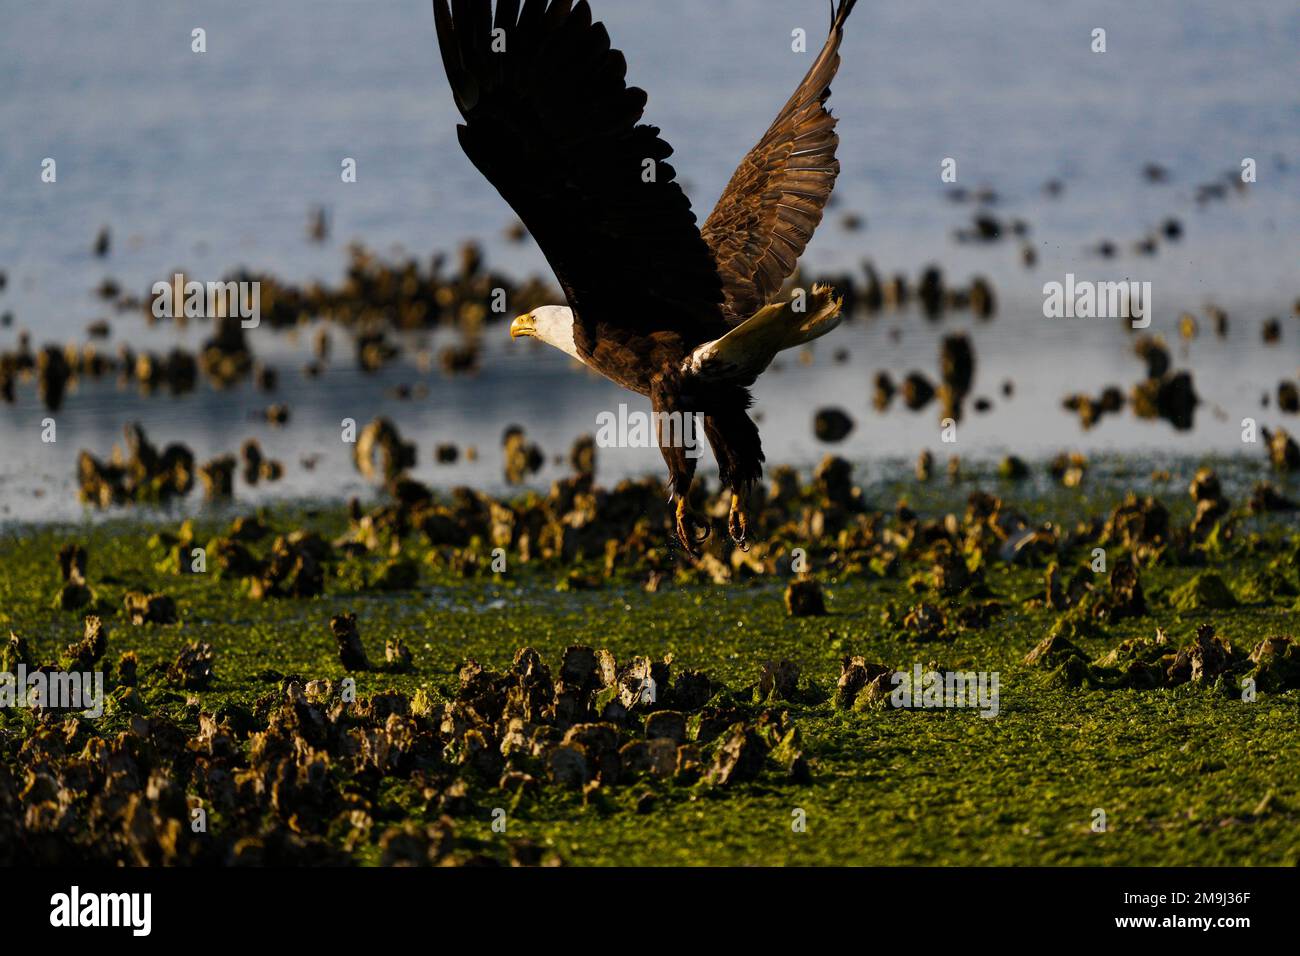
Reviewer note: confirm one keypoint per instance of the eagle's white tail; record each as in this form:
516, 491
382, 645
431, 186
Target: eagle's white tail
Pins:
748, 349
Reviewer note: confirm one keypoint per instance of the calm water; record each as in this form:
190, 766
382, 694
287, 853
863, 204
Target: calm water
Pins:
209, 162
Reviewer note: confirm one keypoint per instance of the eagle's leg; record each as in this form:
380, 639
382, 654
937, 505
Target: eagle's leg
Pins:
691, 531
738, 520
735, 442
674, 432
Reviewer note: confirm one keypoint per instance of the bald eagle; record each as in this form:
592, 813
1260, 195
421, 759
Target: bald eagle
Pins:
687, 316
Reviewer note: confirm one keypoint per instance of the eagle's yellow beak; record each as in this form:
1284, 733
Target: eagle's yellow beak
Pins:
523, 325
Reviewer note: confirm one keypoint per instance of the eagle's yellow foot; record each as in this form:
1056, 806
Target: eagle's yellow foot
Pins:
691, 532
738, 522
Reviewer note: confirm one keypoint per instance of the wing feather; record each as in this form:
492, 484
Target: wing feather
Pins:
774, 202
553, 125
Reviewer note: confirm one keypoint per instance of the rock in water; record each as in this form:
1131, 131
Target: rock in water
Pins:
351, 654
803, 598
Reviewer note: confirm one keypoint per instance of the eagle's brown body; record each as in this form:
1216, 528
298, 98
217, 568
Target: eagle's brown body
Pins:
551, 122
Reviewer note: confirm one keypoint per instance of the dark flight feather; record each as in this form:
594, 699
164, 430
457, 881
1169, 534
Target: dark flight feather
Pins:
554, 127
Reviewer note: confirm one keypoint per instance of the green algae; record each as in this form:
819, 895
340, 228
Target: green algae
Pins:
1206, 591
1181, 772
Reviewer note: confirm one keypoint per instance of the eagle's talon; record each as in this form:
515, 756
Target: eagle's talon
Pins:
691, 532
738, 523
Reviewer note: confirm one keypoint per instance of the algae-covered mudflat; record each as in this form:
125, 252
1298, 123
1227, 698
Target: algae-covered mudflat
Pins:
729, 723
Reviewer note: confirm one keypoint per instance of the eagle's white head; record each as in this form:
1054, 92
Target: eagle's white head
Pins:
553, 324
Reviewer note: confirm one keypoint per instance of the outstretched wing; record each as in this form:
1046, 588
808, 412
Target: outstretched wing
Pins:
552, 124
774, 202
